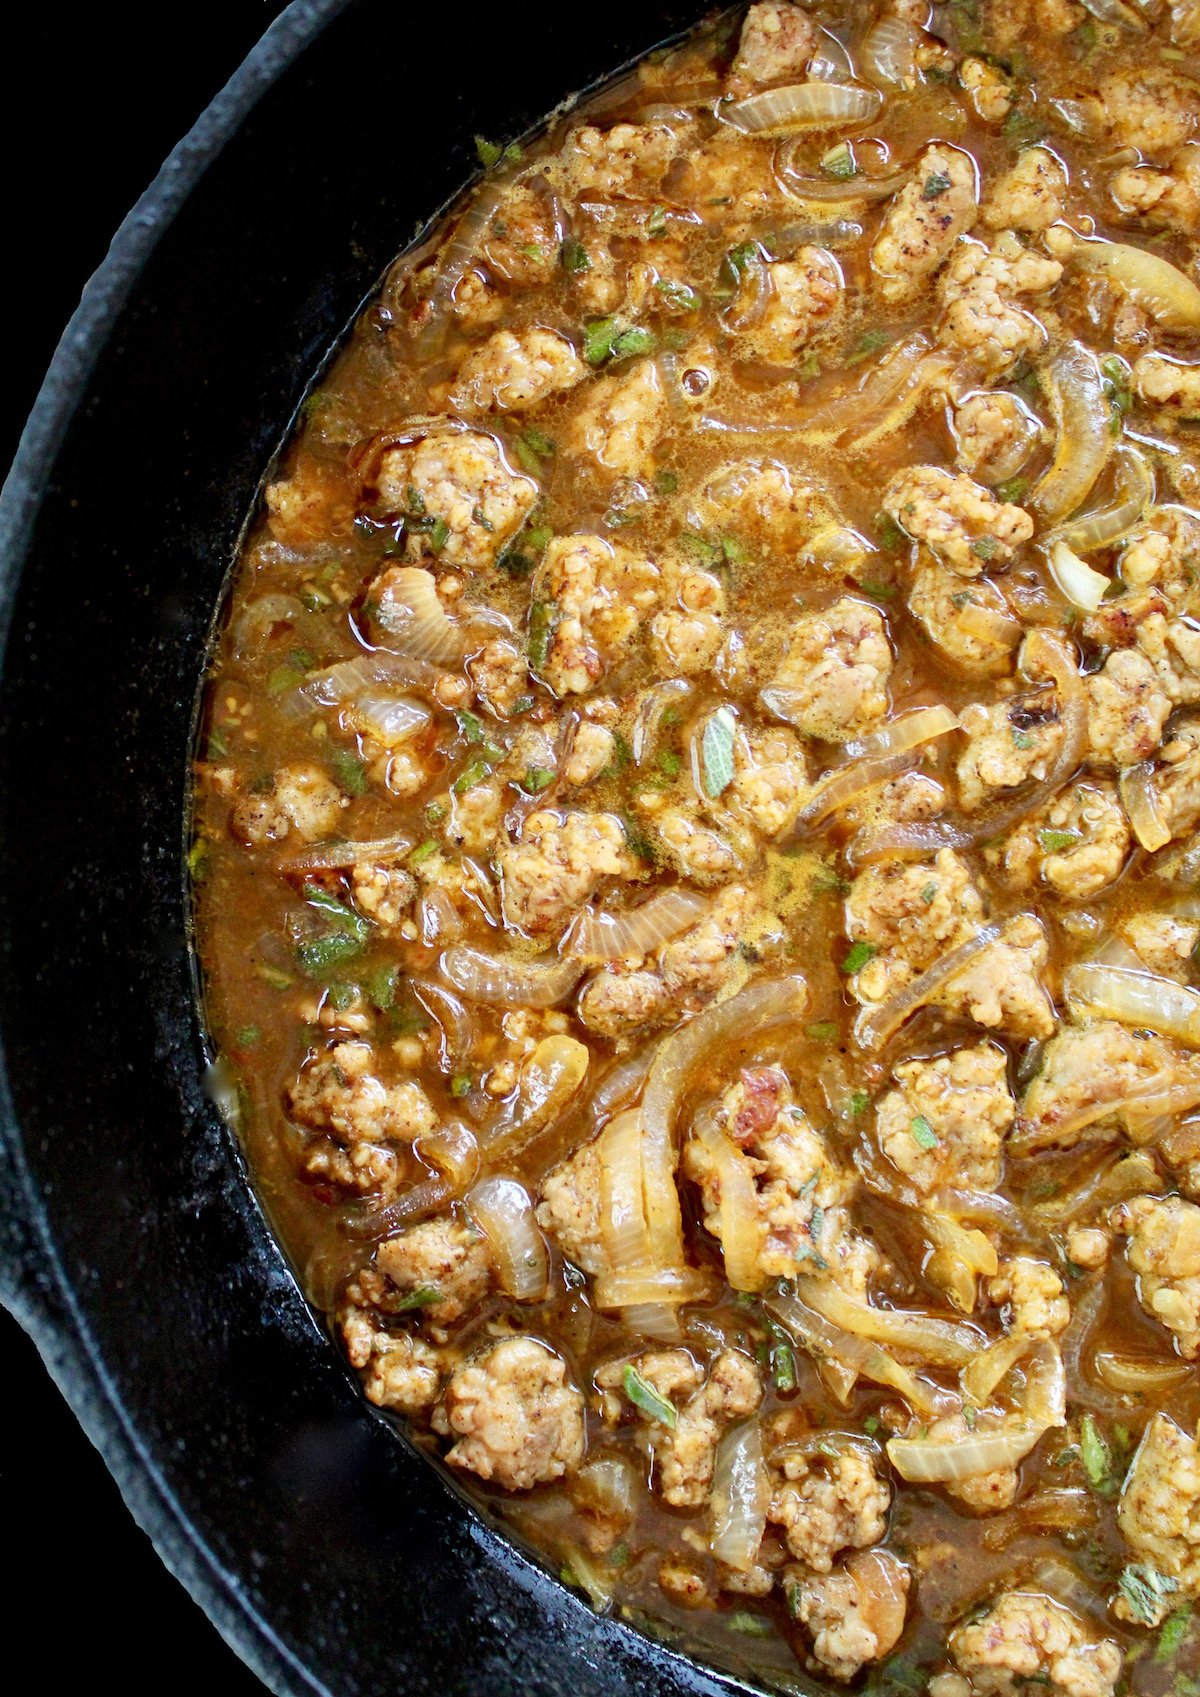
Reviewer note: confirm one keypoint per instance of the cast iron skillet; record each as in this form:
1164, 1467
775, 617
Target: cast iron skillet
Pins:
327, 1553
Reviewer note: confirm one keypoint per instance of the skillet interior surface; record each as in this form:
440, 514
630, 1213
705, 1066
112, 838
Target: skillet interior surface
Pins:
327, 1553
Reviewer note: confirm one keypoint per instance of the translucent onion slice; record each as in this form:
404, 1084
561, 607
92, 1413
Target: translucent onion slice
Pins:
826, 1342
656, 701
907, 730
503, 1211
1085, 439
622, 1208
631, 1287
741, 1496
454, 1150
1140, 1375
1083, 587
1115, 1181
877, 1021
989, 624
550, 1079
836, 789
949, 1343
1042, 653
409, 610
922, 1461
1132, 493
801, 106
458, 253
887, 54
510, 980
438, 918
1135, 998
257, 619
980, 1377
326, 857
750, 301
771, 1001
831, 62
416, 1202
454, 1020
741, 1226
1139, 797
620, 1085
598, 934
904, 841
1116, 12
348, 679
877, 393
796, 181
1150, 281
993, 1210
831, 232
970, 1245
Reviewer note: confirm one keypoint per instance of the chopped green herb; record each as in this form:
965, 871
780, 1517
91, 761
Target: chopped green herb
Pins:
644, 1396
318, 954
612, 338
247, 1037
839, 162
656, 222
877, 589
381, 987
489, 152
984, 546
1022, 129
460, 1084
522, 704
923, 1133
739, 259
782, 1358
471, 775
538, 442
889, 532
537, 779
1053, 842
858, 1103
573, 257
809, 366
343, 917
716, 750
670, 763
469, 725
541, 629
439, 535
678, 295
666, 482
636, 840
1145, 1590
349, 771
216, 745
823, 1030
928, 893
197, 860
752, 1626
1095, 1453
970, 1416
282, 678
1013, 489
514, 560
1174, 1631
857, 956
868, 343
271, 975
871, 1425
424, 1296
1022, 739
935, 184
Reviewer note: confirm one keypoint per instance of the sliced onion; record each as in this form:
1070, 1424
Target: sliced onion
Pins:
390, 720
328, 857
795, 181
840, 786
454, 1150
989, 624
1116, 12
1103, 526
620, 1085
1043, 651
831, 62
255, 622
510, 980
550, 1079
907, 730
1085, 439
888, 53
876, 1022
949, 1343
598, 934
833, 232
502, 1210
908, 840
1135, 998
741, 1496
1116, 1181
438, 918
826, 1342
742, 1231
635, 1287
622, 1204
971, 1246
409, 610
980, 1377
1150, 281
1083, 587
924, 1461
458, 253
657, 699
454, 1020
801, 106
336, 685
1140, 1375
771, 1001
1139, 797
417, 1201
748, 305
884, 396
993, 1210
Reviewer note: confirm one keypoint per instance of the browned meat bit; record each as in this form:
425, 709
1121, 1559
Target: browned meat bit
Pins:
570, 1209
960, 520
363, 1118
1030, 195
853, 1615
442, 1268
457, 479
684, 1447
805, 294
1164, 200
514, 1415
1160, 1513
1091, 1079
924, 221
833, 682
1076, 843
557, 863
598, 593
969, 623
776, 44
1164, 1252
300, 800
1149, 107
982, 320
827, 1496
621, 420
945, 1123
399, 1370
511, 372
1027, 1640
1032, 1295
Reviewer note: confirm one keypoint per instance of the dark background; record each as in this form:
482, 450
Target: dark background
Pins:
96, 99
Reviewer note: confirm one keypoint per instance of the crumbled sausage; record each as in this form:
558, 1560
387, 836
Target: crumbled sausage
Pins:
970, 624
570, 1208
1028, 1639
981, 319
557, 863
836, 671
955, 517
510, 372
994, 435
989, 90
459, 477
621, 420
1030, 195
828, 1502
1164, 1252
1167, 199
851, 1616
500, 675
1033, 1296
1159, 1513
1148, 107
598, 593
1127, 710
1076, 843
777, 42
515, 1417
1090, 1080
805, 294
441, 1266
685, 1454
302, 800
961, 1100
1014, 740
924, 221
399, 1370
